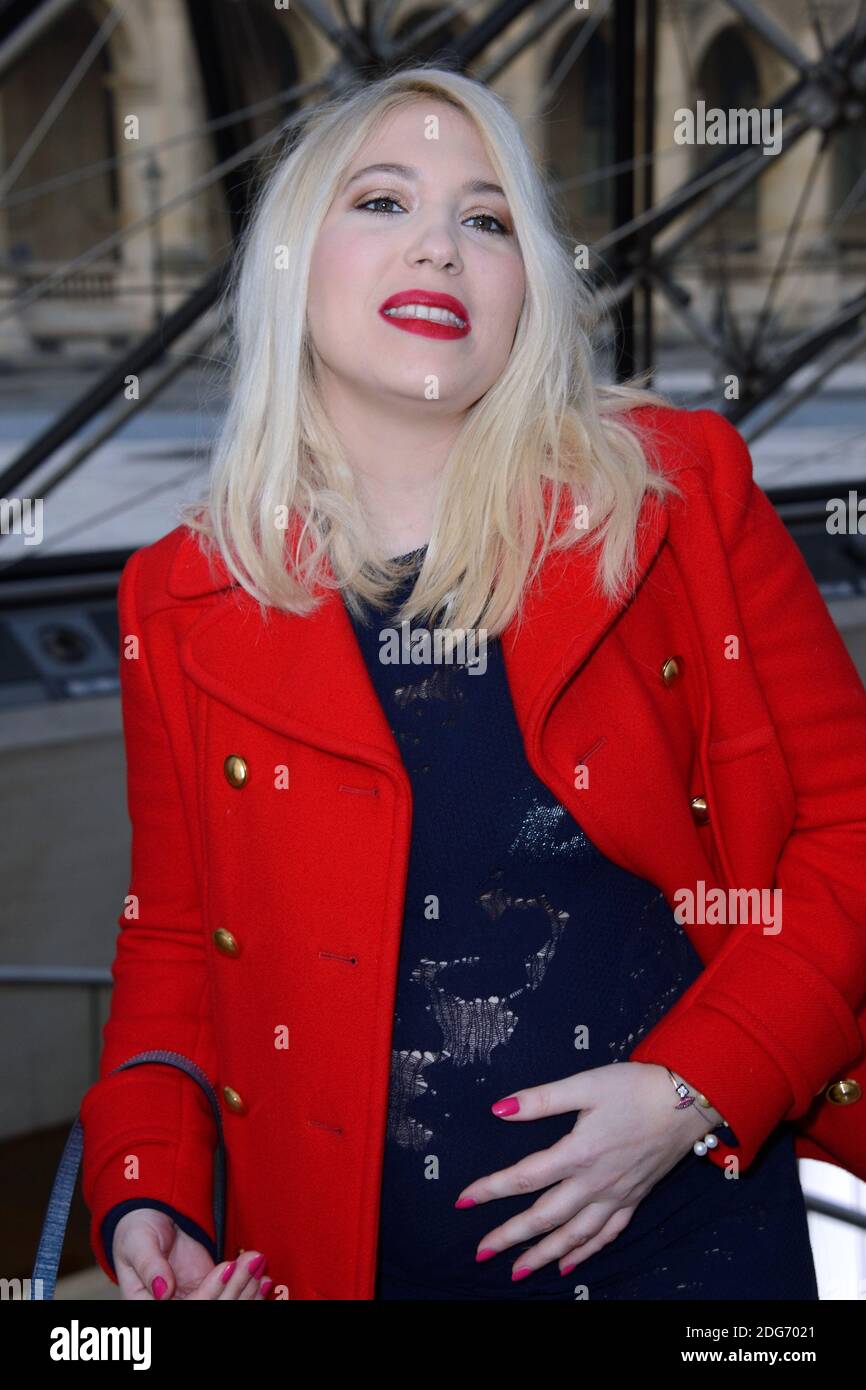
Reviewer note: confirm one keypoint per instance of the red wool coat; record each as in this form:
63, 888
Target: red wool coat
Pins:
271, 913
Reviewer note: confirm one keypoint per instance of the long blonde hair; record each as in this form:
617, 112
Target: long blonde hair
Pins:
544, 427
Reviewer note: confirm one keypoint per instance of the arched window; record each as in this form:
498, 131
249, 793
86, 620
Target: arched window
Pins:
58, 225
849, 188
258, 61
728, 79
580, 135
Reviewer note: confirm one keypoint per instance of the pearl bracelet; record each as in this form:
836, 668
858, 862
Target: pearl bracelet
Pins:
687, 1098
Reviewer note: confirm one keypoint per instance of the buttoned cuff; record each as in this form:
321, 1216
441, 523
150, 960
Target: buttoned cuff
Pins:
184, 1177
109, 1225
723, 1060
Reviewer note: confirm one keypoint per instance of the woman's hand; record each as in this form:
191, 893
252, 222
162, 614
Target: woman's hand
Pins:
628, 1135
149, 1246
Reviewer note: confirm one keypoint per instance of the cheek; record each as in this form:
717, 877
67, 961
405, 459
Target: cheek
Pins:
342, 271
331, 275
504, 320
501, 293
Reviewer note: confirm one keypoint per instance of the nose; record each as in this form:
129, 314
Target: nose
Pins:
436, 245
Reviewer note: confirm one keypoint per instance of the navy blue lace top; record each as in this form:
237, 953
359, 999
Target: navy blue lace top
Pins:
526, 956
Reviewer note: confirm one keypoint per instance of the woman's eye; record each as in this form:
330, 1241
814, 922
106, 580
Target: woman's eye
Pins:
368, 205
380, 198
488, 216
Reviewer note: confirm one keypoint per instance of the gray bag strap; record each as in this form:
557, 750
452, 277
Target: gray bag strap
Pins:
44, 1278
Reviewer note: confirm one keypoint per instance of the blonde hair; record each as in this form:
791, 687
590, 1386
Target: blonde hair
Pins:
544, 429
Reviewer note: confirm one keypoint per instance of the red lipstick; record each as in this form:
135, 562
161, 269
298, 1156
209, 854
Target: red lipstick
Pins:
429, 328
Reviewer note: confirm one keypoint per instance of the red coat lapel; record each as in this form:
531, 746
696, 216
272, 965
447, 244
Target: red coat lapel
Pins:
306, 677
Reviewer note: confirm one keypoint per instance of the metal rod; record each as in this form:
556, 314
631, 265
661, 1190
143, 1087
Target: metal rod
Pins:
110, 385
29, 30
624, 23
849, 1215
769, 30
55, 975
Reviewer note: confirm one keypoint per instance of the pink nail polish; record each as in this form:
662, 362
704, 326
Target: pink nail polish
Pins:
265, 1287
466, 1202
521, 1273
257, 1265
484, 1255
509, 1106
229, 1271
158, 1287
569, 1268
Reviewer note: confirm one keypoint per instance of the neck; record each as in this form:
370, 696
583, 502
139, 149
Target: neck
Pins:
397, 451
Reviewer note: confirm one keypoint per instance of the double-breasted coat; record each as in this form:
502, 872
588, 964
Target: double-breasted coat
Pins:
709, 729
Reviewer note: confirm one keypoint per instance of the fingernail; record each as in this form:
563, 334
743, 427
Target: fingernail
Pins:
229, 1271
265, 1287
509, 1106
569, 1268
158, 1287
484, 1255
521, 1273
466, 1202
257, 1265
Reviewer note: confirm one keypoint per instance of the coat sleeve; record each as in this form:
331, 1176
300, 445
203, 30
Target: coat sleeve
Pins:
772, 1018
149, 1130
109, 1226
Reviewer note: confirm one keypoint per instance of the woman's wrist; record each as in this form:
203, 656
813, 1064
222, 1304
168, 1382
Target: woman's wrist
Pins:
701, 1102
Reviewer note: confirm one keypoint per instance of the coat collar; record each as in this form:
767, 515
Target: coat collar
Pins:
306, 678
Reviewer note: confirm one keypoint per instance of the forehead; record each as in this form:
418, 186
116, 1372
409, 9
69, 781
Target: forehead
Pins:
409, 136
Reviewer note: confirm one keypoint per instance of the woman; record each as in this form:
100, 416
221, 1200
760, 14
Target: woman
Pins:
464, 715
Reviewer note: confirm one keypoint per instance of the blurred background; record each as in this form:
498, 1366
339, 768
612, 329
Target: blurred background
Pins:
132, 138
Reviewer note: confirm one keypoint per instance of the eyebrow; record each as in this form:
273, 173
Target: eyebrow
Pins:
406, 171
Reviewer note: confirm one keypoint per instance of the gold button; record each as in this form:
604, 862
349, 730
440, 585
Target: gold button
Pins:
844, 1092
225, 942
700, 810
672, 668
235, 769
234, 1101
